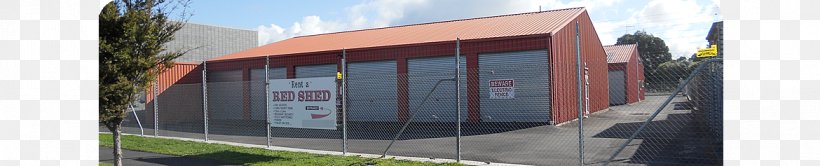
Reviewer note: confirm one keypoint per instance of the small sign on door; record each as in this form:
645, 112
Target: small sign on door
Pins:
502, 89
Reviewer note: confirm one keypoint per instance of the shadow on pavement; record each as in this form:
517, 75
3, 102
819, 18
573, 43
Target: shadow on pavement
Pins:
138, 158
679, 139
246, 157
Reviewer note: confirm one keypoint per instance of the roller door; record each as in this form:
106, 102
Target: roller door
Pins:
372, 91
324, 70
617, 89
258, 90
225, 94
423, 73
530, 72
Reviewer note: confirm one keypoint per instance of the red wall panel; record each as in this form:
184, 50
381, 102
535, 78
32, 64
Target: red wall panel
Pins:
562, 59
632, 78
182, 73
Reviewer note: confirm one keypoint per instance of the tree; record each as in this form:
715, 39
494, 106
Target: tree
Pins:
132, 37
671, 72
653, 52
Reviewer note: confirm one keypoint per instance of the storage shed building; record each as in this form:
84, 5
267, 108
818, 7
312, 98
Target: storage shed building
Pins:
626, 74
391, 69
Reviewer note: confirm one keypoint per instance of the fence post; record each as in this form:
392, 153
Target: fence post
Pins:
156, 108
267, 100
344, 102
458, 100
205, 98
580, 98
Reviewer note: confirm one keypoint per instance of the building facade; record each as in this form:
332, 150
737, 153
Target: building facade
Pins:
206, 41
626, 75
390, 70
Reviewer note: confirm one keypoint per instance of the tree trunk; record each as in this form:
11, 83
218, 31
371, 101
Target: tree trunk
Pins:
114, 127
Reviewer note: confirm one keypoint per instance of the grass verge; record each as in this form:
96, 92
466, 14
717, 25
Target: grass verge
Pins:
244, 155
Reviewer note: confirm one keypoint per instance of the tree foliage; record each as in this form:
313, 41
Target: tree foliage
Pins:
132, 53
672, 72
653, 52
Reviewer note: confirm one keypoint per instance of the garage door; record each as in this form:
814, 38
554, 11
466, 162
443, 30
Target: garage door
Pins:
372, 91
530, 72
617, 89
258, 89
324, 70
225, 95
422, 74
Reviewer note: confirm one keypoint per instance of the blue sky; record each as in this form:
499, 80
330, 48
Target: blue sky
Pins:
683, 24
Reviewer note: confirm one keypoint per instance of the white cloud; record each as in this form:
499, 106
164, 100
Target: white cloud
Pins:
308, 26
679, 22
683, 24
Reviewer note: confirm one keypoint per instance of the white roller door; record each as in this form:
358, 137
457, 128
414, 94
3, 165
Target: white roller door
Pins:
530, 72
423, 73
372, 91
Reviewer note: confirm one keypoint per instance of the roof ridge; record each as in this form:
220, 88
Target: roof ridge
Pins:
613, 45
445, 21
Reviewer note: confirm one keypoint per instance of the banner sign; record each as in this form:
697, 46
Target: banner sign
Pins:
707, 52
303, 103
502, 89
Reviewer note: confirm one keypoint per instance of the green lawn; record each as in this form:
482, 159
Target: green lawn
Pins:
244, 155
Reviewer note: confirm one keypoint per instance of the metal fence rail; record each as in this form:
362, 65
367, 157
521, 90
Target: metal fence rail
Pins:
442, 107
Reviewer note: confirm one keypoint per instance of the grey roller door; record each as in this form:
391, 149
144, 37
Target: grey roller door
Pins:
372, 91
617, 89
225, 94
324, 70
258, 90
530, 72
422, 74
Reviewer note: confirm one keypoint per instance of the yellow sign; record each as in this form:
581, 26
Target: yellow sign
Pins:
707, 52
338, 75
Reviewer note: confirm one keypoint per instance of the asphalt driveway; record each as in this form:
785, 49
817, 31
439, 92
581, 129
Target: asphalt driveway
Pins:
674, 137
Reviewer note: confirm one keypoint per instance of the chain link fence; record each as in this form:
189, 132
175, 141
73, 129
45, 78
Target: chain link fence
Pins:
505, 103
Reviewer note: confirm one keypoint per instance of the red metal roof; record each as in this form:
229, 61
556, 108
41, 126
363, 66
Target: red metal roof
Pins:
544, 22
619, 53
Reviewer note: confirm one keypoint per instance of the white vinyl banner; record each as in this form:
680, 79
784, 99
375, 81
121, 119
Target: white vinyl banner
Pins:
303, 103
502, 89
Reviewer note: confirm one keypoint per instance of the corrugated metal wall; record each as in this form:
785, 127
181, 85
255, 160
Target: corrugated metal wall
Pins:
530, 72
422, 74
181, 74
632, 78
562, 54
372, 91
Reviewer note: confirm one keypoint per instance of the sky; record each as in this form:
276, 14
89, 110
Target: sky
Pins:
683, 24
